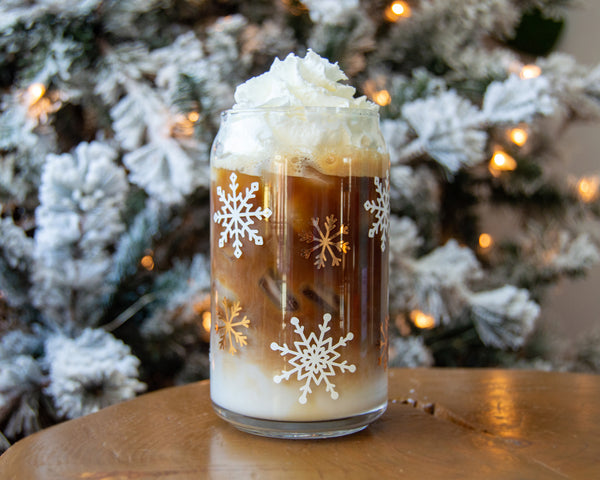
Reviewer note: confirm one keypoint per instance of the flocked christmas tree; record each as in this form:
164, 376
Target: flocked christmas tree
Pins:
108, 111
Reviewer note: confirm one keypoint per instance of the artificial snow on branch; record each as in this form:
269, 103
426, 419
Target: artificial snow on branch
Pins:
409, 352
20, 383
505, 317
329, 11
447, 129
89, 372
575, 86
16, 256
517, 100
79, 218
436, 283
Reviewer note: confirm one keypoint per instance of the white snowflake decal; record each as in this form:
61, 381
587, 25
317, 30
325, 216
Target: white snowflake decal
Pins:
314, 359
236, 215
325, 241
381, 209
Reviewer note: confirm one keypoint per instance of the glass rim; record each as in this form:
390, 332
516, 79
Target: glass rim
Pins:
301, 109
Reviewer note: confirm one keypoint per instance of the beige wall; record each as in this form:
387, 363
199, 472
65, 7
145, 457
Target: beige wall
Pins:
573, 306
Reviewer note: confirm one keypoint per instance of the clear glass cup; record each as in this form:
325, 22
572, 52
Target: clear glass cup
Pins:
300, 216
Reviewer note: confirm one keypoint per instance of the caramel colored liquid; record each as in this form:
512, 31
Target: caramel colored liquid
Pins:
309, 297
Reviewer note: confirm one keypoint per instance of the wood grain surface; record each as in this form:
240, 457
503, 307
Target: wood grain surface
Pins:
440, 423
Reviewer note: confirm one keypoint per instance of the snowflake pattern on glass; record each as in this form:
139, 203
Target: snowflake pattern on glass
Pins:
381, 208
325, 241
384, 342
236, 215
314, 358
228, 329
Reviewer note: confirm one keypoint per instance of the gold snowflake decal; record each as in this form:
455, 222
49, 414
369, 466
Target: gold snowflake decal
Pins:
383, 342
228, 329
325, 241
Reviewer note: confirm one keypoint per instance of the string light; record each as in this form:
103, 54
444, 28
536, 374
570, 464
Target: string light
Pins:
397, 10
35, 92
202, 310
501, 162
40, 102
382, 98
588, 189
147, 262
206, 321
518, 136
530, 71
485, 241
193, 117
375, 89
422, 320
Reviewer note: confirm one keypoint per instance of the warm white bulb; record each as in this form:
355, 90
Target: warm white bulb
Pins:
397, 10
206, 321
502, 161
519, 136
422, 320
530, 71
35, 92
382, 98
485, 240
588, 188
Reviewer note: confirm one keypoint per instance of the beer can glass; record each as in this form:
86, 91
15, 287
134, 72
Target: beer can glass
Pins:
299, 268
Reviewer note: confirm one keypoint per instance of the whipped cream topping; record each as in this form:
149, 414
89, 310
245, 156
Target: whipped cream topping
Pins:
299, 116
311, 81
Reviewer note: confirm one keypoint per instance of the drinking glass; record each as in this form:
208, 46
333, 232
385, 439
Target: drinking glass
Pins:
299, 260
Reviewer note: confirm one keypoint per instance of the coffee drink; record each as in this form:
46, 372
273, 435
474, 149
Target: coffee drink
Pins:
300, 294
300, 216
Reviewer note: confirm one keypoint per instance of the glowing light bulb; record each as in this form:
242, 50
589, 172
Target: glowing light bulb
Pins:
518, 136
422, 320
501, 162
530, 71
587, 189
397, 10
485, 241
206, 321
35, 91
382, 97
147, 262
193, 117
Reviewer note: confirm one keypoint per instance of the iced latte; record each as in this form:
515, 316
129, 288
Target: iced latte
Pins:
299, 206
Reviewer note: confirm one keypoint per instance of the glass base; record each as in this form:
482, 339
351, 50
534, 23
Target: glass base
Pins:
300, 430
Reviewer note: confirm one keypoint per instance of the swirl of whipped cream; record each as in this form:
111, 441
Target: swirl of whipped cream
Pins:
311, 81
298, 116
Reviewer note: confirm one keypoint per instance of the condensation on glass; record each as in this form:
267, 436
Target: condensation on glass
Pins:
299, 249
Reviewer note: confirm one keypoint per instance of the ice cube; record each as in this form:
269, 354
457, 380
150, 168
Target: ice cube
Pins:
275, 289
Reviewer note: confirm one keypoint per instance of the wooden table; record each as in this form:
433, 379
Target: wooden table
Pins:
440, 423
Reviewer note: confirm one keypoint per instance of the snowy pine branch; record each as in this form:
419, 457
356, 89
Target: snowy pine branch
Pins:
505, 317
90, 372
81, 196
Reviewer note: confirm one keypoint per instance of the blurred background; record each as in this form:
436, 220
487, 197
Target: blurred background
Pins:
108, 110
572, 309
